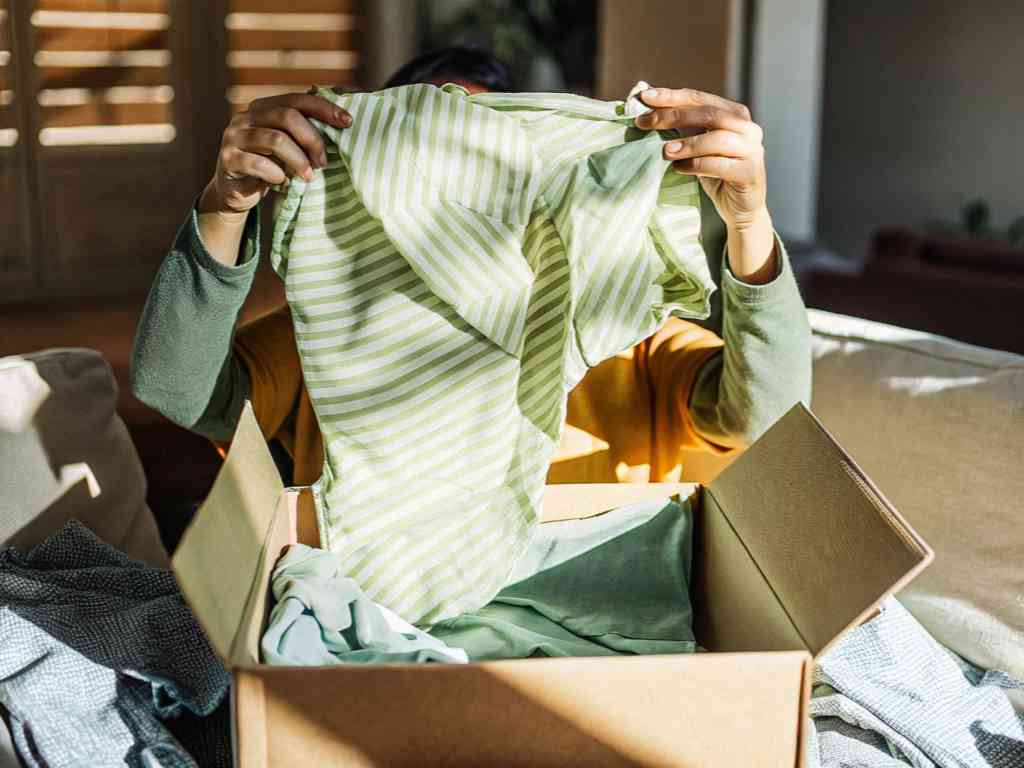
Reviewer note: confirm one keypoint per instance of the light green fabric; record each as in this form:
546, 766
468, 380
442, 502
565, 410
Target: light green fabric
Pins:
613, 584
321, 618
452, 273
183, 364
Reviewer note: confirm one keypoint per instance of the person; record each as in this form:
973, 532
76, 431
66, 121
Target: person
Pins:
714, 385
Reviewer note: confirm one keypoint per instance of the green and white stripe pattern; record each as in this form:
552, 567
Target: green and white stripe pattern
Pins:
452, 273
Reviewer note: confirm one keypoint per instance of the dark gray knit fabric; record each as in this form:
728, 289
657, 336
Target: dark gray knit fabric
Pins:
131, 618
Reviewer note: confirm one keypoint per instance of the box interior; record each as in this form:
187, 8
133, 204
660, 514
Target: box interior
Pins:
793, 545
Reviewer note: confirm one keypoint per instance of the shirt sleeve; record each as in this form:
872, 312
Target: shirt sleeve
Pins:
764, 366
182, 361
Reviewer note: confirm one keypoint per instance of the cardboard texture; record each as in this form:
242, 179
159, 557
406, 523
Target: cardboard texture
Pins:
793, 545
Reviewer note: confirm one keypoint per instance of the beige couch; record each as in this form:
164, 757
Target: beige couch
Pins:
937, 424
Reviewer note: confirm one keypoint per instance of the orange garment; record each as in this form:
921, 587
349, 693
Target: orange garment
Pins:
627, 419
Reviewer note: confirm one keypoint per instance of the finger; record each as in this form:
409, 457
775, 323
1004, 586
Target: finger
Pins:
724, 143
248, 186
688, 118
239, 165
302, 132
310, 105
688, 97
729, 169
279, 145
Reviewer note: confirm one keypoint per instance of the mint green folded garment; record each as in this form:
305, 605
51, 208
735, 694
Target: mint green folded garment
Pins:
322, 618
617, 583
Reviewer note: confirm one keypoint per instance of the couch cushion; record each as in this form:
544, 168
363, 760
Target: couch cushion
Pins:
939, 426
65, 453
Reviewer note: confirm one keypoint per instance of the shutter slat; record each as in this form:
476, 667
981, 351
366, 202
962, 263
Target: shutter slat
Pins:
127, 6
262, 76
102, 77
296, 40
293, 6
106, 114
62, 39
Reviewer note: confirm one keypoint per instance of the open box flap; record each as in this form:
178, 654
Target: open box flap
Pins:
217, 559
829, 545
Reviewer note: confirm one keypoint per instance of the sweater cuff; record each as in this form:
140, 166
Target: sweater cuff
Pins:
751, 294
190, 242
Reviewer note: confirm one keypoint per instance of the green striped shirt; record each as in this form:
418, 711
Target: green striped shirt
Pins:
452, 273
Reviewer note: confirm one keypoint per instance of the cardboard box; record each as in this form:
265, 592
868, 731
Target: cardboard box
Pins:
793, 546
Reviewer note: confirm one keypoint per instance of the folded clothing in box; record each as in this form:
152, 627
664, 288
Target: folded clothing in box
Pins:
609, 584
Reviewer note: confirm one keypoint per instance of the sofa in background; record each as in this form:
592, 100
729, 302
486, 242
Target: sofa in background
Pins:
967, 288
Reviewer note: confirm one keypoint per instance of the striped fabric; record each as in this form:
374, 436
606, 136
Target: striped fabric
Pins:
452, 273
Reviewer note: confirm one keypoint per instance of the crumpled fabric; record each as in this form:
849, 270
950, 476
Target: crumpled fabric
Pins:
634, 107
887, 695
320, 618
68, 712
452, 272
615, 583
8, 754
128, 617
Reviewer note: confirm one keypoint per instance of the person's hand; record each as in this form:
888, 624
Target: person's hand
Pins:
722, 146
269, 142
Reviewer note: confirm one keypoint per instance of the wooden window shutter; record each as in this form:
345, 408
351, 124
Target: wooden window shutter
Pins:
16, 225
111, 156
103, 72
277, 47
8, 120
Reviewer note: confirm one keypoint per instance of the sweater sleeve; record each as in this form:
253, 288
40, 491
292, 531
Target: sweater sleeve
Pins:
183, 364
764, 366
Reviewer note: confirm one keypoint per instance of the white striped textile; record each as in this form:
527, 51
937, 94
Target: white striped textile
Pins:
452, 273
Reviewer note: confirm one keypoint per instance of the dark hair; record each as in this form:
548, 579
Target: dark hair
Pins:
474, 65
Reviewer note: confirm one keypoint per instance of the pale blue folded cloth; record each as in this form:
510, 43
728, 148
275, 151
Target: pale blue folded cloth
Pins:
888, 695
321, 617
68, 711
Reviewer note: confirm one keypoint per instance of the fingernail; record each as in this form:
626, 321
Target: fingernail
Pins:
322, 160
308, 174
342, 118
645, 120
650, 93
674, 146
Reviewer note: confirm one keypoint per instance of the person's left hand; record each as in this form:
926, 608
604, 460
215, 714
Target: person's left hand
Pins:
721, 145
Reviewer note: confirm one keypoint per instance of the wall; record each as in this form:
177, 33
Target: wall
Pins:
922, 111
389, 28
787, 59
673, 43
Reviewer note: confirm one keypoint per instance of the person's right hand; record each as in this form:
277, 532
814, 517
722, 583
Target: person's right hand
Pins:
266, 144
